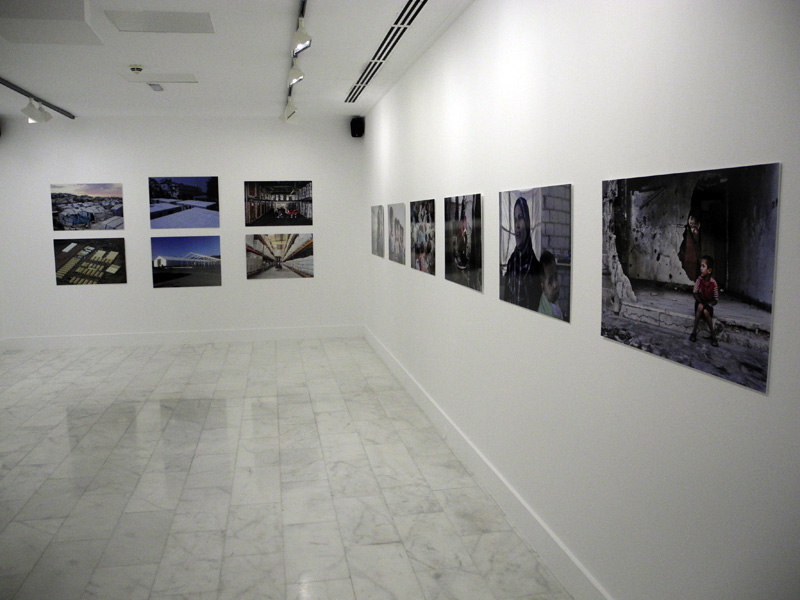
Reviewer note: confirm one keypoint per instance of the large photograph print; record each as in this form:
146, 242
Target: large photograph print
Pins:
275, 203
463, 241
86, 206
187, 261
183, 202
280, 256
689, 268
378, 235
90, 261
423, 240
397, 233
536, 249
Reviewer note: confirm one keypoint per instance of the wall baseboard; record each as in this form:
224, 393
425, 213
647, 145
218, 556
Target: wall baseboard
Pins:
58, 342
560, 560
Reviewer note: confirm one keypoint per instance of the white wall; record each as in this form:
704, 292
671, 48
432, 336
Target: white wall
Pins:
635, 477
37, 312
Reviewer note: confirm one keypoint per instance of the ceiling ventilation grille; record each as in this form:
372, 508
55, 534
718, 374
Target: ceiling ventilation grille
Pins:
396, 31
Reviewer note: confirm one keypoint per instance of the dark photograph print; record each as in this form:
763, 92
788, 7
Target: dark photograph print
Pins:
277, 203
689, 268
187, 261
423, 240
86, 206
397, 233
536, 249
280, 256
87, 262
463, 241
184, 202
378, 234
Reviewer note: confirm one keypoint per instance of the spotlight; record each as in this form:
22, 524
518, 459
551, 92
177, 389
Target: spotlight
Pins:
300, 40
290, 112
36, 114
295, 74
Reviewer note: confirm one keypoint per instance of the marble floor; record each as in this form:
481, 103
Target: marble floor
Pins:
268, 470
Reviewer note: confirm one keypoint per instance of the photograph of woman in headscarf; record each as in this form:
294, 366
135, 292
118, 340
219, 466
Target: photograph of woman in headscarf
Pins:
535, 223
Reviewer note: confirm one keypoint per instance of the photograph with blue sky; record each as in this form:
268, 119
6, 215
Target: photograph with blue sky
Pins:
186, 261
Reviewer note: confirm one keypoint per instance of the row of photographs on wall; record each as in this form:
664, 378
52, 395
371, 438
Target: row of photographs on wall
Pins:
535, 244
183, 261
688, 269
179, 203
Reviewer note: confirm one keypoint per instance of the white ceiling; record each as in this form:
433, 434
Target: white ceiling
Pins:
241, 68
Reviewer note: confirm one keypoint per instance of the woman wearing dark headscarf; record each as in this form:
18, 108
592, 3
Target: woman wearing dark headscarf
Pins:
523, 287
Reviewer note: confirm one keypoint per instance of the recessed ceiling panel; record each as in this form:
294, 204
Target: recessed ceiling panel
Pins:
159, 77
149, 21
46, 22
43, 9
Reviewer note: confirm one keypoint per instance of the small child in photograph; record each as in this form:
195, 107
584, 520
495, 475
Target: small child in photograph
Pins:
706, 295
550, 286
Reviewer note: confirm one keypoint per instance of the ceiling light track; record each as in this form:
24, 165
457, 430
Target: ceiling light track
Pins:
404, 20
30, 96
300, 42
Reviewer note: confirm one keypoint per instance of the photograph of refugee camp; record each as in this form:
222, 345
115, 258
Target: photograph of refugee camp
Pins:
280, 256
89, 261
86, 206
277, 203
536, 249
186, 261
463, 241
184, 202
689, 268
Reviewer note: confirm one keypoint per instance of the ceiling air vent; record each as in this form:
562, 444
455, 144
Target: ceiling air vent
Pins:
396, 31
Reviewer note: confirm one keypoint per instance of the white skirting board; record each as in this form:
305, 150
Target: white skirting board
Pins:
565, 566
206, 336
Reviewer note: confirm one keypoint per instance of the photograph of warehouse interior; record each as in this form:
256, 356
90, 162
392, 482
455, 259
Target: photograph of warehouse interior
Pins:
183, 202
187, 261
87, 262
271, 203
86, 206
280, 256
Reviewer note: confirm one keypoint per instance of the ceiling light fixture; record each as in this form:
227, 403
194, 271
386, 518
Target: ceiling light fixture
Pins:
36, 114
290, 112
300, 40
295, 74
40, 114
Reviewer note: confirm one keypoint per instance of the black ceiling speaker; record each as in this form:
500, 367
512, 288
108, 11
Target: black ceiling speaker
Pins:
357, 127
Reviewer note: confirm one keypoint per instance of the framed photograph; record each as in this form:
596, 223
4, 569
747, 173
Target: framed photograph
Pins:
86, 206
423, 236
536, 249
689, 268
89, 261
186, 261
397, 233
277, 203
280, 256
463, 247
183, 202
378, 235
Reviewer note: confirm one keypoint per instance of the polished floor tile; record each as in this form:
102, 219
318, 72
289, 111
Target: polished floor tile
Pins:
296, 470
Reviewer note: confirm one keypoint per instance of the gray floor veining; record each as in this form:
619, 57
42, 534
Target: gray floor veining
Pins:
280, 469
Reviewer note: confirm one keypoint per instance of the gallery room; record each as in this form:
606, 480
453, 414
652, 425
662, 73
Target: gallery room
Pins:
497, 302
